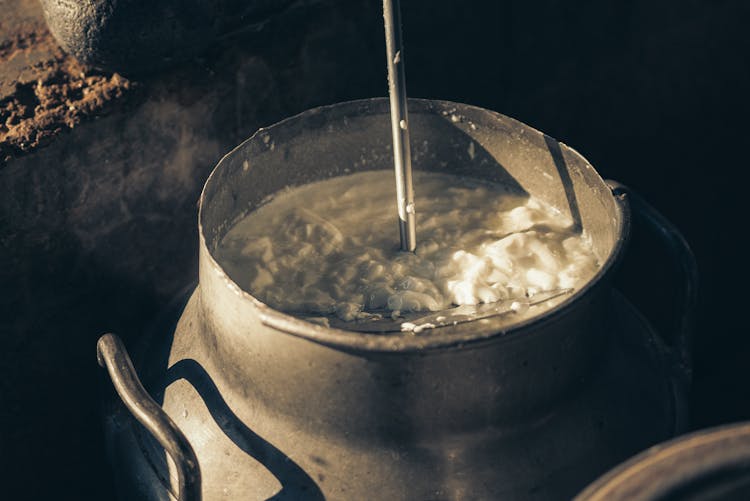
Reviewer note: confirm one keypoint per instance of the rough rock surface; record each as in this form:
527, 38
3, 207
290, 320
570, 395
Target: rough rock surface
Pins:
44, 91
142, 35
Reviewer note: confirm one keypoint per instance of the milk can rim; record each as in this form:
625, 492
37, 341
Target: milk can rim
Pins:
443, 337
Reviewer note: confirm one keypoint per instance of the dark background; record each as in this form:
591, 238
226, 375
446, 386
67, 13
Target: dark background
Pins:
653, 93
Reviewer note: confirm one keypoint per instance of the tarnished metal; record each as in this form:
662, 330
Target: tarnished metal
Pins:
112, 355
529, 407
407, 219
708, 465
420, 321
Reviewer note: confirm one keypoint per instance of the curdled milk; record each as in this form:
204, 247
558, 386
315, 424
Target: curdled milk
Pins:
331, 247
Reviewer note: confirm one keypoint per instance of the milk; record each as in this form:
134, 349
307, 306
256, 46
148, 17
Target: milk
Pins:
331, 247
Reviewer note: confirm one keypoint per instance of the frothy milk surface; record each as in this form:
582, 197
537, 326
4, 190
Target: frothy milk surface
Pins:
331, 247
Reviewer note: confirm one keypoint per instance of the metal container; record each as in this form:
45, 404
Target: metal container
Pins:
528, 407
708, 465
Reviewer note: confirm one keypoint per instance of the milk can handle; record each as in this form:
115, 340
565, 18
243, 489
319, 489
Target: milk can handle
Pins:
671, 237
112, 355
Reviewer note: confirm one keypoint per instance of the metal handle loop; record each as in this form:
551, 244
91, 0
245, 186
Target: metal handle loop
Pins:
112, 355
685, 260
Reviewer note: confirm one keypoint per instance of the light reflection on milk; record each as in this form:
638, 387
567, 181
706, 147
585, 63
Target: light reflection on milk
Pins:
331, 247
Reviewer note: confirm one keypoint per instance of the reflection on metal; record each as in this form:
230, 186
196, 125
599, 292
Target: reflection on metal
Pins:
708, 465
532, 409
400, 126
295, 483
112, 355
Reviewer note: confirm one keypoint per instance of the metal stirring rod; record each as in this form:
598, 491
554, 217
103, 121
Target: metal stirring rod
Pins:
400, 125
